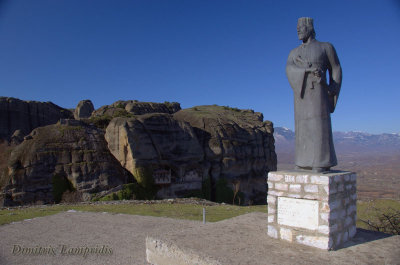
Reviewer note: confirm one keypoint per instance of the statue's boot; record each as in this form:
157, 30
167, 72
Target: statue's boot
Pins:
320, 169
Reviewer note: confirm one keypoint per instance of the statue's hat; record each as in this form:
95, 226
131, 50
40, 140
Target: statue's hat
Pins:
306, 21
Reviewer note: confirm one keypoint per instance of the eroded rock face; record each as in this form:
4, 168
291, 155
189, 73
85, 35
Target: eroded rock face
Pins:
196, 144
16, 114
84, 109
137, 108
237, 144
69, 150
153, 139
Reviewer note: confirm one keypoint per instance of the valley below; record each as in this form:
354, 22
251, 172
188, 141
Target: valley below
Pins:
377, 163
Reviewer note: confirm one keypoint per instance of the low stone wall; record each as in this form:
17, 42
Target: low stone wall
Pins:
313, 209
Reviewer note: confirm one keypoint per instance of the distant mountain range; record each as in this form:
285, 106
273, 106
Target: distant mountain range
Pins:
344, 141
374, 157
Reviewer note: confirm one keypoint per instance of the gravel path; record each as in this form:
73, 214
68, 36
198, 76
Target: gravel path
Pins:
240, 240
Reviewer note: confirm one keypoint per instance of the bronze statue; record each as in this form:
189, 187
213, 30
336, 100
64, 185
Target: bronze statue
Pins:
314, 98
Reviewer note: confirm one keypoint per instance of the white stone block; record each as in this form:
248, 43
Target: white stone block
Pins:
322, 197
334, 228
294, 195
326, 189
271, 210
351, 209
345, 236
270, 185
324, 229
298, 213
339, 239
346, 201
311, 197
271, 218
271, 199
289, 178
324, 216
335, 204
311, 188
275, 177
295, 187
325, 207
281, 186
323, 180
348, 221
315, 241
333, 215
347, 177
302, 179
275, 193
338, 178
353, 177
349, 187
341, 187
286, 234
354, 196
352, 231
272, 232
342, 213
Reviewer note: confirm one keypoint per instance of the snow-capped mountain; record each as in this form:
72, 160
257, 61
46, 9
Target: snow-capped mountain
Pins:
344, 141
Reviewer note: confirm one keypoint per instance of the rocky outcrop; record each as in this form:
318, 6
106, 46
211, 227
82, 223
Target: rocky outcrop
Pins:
137, 108
162, 144
84, 109
67, 155
237, 144
16, 114
199, 144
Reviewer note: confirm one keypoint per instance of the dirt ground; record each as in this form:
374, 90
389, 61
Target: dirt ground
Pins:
120, 239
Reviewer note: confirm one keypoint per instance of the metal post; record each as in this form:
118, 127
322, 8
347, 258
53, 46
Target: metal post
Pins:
204, 215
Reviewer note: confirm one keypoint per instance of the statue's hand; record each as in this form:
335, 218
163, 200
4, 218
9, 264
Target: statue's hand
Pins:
318, 72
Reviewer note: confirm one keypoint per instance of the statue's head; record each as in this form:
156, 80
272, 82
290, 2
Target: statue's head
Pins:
305, 28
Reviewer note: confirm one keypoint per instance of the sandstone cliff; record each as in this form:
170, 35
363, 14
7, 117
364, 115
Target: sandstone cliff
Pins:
67, 155
84, 109
192, 146
237, 145
16, 114
137, 108
202, 151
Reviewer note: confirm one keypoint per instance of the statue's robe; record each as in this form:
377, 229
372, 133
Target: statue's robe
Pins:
312, 103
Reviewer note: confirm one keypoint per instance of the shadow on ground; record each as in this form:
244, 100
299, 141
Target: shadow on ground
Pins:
364, 236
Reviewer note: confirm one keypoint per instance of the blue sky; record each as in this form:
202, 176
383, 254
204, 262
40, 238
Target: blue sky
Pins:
199, 52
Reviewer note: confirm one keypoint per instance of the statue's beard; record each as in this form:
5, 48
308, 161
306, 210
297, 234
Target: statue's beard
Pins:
304, 36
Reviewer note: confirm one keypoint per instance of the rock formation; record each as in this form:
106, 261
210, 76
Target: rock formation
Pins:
237, 144
193, 145
161, 143
84, 109
67, 155
137, 108
190, 152
16, 114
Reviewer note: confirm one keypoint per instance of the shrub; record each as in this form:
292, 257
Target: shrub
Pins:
230, 108
144, 176
131, 191
383, 220
120, 105
224, 194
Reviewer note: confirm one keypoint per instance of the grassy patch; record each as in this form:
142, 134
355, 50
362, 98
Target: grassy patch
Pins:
178, 211
130, 191
376, 212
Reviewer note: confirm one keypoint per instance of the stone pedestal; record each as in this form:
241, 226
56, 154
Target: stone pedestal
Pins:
313, 209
